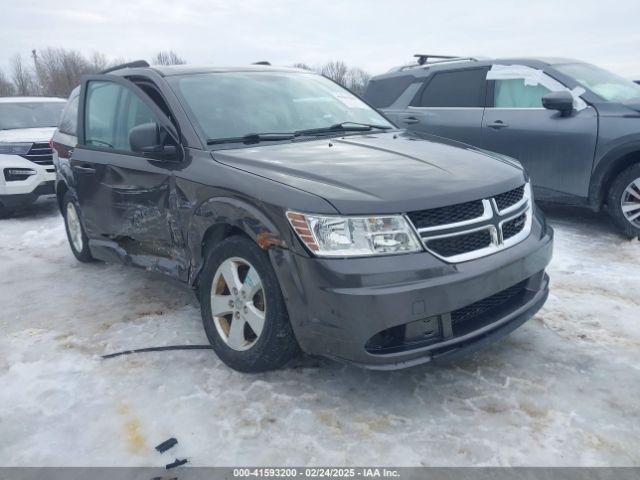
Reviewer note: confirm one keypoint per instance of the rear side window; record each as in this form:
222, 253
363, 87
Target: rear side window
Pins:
515, 93
112, 112
382, 93
69, 119
460, 88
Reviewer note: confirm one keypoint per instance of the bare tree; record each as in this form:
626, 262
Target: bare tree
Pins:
6, 87
59, 71
336, 71
98, 62
23, 78
357, 80
353, 78
168, 58
302, 66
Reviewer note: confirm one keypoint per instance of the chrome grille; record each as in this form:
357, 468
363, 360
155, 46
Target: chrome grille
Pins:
514, 226
501, 222
444, 215
509, 199
40, 153
465, 243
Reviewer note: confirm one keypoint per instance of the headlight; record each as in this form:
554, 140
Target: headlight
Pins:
15, 148
328, 236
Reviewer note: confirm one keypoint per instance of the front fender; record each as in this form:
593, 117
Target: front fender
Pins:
218, 217
612, 162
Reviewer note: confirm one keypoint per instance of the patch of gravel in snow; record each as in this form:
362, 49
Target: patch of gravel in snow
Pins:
561, 390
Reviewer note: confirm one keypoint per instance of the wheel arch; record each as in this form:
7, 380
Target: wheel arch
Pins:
608, 169
221, 217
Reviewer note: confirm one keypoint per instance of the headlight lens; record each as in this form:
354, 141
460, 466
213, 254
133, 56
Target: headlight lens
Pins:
329, 236
14, 148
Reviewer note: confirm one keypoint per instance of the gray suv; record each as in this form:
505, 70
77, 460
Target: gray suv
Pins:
574, 126
299, 214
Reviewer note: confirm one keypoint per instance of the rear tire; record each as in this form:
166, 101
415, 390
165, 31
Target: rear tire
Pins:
623, 201
243, 311
78, 240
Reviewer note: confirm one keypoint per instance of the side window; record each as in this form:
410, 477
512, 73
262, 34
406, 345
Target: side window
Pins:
516, 93
382, 93
103, 99
112, 112
460, 88
69, 119
133, 112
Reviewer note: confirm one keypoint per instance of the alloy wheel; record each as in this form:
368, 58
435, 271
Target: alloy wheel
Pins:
75, 229
238, 303
630, 203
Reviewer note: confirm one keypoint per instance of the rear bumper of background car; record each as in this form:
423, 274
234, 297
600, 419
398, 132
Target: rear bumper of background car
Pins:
399, 311
14, 193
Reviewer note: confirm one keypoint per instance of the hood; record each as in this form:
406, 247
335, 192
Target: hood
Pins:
43, 134
381, 173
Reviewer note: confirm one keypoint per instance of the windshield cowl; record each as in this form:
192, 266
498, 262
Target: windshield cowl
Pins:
227, 143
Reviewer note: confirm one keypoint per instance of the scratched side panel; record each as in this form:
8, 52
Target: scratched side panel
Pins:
209, 194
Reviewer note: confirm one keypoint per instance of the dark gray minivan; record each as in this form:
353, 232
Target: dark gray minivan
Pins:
302, 217
574, 126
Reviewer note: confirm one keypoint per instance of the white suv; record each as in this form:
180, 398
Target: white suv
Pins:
26, 165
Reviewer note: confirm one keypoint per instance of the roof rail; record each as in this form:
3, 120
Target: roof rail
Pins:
136, 64
423, 60
263, 62
424, 57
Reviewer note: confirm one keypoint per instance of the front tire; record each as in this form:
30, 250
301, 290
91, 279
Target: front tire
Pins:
243, 311
624, 201
78, 240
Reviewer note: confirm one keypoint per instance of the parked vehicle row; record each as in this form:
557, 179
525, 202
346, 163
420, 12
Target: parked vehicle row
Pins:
302, 217
574, 126
26, 162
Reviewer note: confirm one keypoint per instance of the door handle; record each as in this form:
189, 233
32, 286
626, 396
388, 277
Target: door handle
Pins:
410, 120
83, 169
497, 125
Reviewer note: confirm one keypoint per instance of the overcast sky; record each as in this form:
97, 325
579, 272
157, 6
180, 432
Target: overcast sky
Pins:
374, 35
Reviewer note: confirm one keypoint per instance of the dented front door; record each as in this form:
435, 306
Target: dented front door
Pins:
128, 199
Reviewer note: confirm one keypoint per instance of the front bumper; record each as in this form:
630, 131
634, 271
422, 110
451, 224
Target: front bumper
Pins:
23, 192
339, 307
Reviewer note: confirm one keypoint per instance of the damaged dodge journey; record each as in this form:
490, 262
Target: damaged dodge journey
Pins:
303, 219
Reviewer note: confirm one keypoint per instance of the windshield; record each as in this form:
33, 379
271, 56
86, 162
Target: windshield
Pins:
605, 84
30, 114
232, 105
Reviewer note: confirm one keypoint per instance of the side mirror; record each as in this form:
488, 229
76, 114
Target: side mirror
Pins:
151, 140
560, 101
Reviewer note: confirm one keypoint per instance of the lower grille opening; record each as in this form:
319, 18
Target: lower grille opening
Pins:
459, 244
439, 328
463, 319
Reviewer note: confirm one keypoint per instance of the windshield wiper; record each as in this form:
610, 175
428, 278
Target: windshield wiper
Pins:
253, 138
344, 127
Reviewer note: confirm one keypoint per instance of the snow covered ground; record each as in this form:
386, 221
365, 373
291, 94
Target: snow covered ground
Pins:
562, 390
